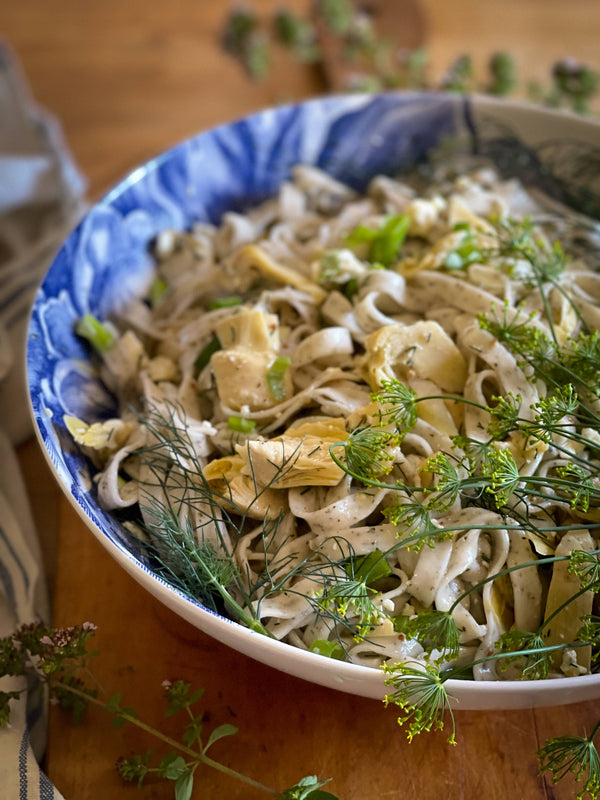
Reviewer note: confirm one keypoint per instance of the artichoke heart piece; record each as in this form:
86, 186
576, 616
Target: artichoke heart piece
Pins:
239, 493
256, 257
563, 628
299, 457
421, 350
108, 436
250, 342
249, 328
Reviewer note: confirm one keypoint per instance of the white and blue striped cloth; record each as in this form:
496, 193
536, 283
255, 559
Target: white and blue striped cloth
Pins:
41, 195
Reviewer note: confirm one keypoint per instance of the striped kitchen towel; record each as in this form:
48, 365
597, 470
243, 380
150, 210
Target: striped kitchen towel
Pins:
41, 199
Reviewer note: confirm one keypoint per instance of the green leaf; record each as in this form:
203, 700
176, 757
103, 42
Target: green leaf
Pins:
113, 704
220, 733
5, 698
12, 659
172, 767
369, 568
193, 731
184, 785
308, 788
337, 14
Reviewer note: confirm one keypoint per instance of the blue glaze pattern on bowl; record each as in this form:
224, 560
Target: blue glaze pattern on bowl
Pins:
105, 262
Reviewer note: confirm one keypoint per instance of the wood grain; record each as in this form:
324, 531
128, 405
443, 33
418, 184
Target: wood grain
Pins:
128, 80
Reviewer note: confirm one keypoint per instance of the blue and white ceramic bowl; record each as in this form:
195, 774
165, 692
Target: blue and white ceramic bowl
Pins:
105, 263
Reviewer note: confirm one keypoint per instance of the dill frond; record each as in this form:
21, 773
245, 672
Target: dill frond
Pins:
590, 630
398, 405
587, 568
530, 651
576, 755
415, 523
419, 691
503, 473
504, 416
366, 452
434, 630
449, 483
352, 598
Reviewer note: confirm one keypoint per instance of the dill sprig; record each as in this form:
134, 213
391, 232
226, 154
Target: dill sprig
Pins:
419, 691
367, 453
435, 630
397, 405
352, 597
587, 568
576, 755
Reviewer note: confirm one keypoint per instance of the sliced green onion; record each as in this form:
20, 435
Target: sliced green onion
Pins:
371, 567
384, 243
158, 288
324, 647
465, 254
384, 248
241, 424
329, 265
276, 375
225, 302
351, 288
205, 354
96, 333
454, 261
360, 235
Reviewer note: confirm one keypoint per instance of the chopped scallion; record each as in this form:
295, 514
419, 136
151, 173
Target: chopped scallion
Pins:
276, 375
96, 332
241, 424
157, 290
351, 288
385, 246
384, 243
205, 354
225, 302
324, 647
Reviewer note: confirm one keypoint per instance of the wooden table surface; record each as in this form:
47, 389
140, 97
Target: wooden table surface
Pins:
128, 79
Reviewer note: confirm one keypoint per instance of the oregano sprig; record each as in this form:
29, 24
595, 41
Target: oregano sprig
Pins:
58, 657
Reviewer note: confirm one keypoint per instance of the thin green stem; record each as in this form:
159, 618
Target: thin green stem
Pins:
195, 755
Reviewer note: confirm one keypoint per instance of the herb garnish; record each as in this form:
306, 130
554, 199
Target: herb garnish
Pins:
58, 658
